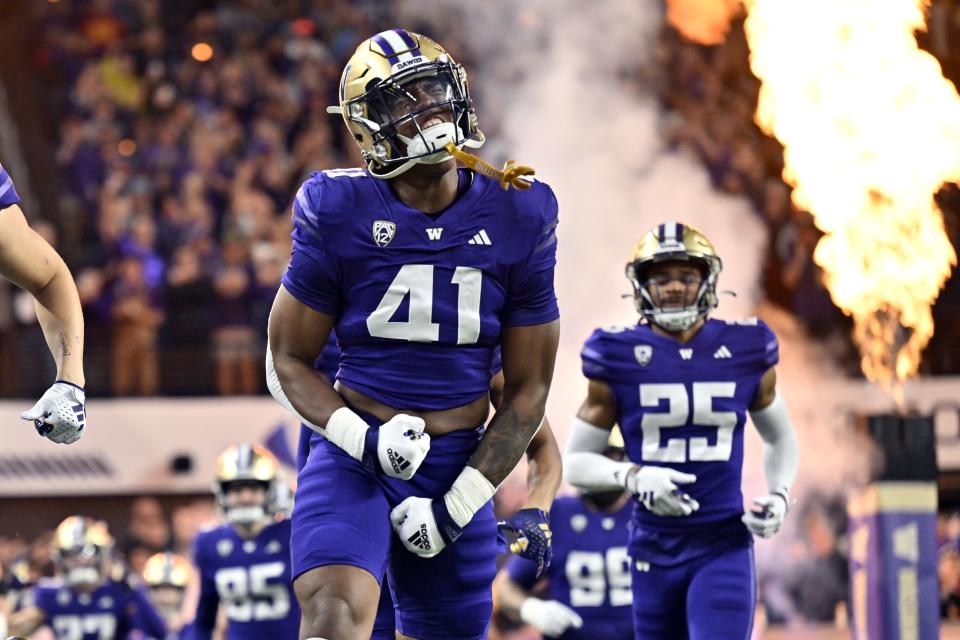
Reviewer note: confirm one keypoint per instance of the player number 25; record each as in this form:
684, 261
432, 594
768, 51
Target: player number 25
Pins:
416, 280
681, 449
247, 595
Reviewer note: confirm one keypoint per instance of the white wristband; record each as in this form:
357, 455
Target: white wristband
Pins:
470, 491
347, 430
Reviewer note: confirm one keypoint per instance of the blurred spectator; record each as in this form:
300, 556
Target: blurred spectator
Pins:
135, 323
147, 532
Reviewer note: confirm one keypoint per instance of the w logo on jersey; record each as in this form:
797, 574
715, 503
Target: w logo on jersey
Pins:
383, 231
435, 233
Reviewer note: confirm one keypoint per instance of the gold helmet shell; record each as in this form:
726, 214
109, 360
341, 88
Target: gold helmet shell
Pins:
674, 241
376, 99
81, 550
246, 463
77, 532
166, 569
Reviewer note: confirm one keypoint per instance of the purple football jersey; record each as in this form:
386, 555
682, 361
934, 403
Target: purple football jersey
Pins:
8, 195
110, 612
684, 406
251, 578
420, 300
590, 572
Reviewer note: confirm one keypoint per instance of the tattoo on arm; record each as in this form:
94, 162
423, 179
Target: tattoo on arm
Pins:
64, 345
503, 444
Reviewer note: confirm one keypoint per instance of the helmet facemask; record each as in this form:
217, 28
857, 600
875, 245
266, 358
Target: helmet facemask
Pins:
395, 112
245, 515
674, 318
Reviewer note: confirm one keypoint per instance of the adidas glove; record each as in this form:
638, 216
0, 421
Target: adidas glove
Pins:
60, 413
427, 526
767, 518
528, 531
656, 488
396, 449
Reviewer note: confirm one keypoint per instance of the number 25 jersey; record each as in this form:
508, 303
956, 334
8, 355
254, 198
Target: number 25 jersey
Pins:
420, 300
684, 406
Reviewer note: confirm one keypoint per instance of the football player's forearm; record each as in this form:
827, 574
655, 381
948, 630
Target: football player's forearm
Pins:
510, 596
308, 391
506, 439
61, 319
545, 470
781, 452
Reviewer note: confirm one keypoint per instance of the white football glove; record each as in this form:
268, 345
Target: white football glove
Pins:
552, 618
656, 488
397, 448
767, 518
60, 414
415, 523
401, 445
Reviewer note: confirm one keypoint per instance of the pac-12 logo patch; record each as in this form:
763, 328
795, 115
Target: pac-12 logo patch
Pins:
643, 353
383, 231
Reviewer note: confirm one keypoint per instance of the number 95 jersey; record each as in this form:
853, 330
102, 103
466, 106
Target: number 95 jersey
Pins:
420, 300
251, 579
684, 406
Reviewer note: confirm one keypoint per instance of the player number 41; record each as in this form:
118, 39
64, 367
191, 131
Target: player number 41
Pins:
416, 281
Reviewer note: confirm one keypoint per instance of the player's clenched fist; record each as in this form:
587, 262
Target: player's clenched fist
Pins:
397, 448
656, 487
60, 413
415, 522
401, 444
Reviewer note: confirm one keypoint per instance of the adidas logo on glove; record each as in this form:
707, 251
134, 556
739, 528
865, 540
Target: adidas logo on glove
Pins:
420, 539
398, 462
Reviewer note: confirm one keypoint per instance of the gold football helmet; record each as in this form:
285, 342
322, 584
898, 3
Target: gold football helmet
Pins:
673, 241
81, 550
403, 80
166, 569
246, 464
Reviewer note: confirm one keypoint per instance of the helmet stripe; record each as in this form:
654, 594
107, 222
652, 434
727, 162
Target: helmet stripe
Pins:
661, 233
680, 231
381, 41
407, 39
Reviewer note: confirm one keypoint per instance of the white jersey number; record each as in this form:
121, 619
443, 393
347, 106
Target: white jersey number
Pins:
593, 575
75, 627
683, 449
247, 596
416, 281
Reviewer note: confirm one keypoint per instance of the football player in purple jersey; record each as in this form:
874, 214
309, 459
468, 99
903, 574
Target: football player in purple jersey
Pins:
83, 602
585, 594
244, 564
167, 576
680, 385
29, 262
422, 268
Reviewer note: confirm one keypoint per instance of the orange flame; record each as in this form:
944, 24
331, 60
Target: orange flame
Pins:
871, 130
705, 21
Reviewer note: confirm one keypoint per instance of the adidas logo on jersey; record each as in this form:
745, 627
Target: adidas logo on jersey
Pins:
686, 354
481, 237
435, 233
421, 538
722, 352
398, 462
